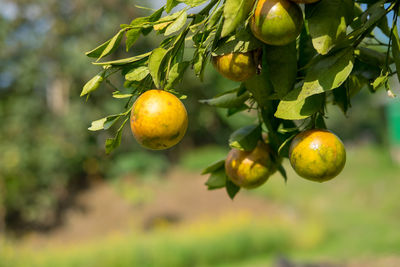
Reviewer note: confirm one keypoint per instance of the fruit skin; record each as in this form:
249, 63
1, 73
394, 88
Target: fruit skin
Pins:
305, 1
237, 67
250, 169
158, 120
317, 155
277, 22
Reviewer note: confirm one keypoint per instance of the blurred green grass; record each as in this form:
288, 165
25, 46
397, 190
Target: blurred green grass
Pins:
353, 216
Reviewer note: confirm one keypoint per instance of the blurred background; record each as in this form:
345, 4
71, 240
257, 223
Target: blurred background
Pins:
63, 202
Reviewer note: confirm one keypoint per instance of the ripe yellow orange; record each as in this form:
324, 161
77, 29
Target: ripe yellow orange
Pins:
238, 67
250, 169
317, 155
158, 120
277, 22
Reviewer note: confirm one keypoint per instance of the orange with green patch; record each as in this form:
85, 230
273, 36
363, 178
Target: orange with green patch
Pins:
317, 155
250, 169
158, 120
276, 22
237, 67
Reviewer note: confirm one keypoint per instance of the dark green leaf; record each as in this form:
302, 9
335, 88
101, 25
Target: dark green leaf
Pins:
217, 179
327, 22
241, 42
227, 100
246, 138
214, 167
231, 188
282, 67
282, 171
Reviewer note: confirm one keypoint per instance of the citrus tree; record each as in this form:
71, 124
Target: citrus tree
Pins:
291, 58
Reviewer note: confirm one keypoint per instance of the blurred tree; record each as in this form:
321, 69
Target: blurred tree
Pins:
46, 149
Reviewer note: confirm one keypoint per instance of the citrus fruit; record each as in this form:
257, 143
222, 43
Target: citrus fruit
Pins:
317, 155
238, 67
158, 120
250, 169
276, 22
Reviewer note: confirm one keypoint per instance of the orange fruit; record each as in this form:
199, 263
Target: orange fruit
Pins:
276, 22
237, 67
250, 169
317, 155
158, 120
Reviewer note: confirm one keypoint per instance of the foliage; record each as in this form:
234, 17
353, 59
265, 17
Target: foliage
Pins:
333, 58
46, 152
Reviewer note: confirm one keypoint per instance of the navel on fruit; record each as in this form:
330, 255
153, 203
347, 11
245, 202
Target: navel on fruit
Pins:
276, 22
317, 155
158, 120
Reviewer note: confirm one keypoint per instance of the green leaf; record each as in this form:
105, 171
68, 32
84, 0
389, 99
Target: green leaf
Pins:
241, 42
327, 22
93, 84
227, 100
170, 5
155, 64
372, 16
97, 125
199, 62
371, 56
96, 52
177, 25
396, 49
217, 179
380, 81
235, 12
131, 37
306, 49
124, 61
113, 143
214, 167
112, 45
193, 3
341, 97
137, 74
176, 73
261, 88
282, 171
294, 108
231, 188
327, 73
283, 150
246, 138
282, 67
